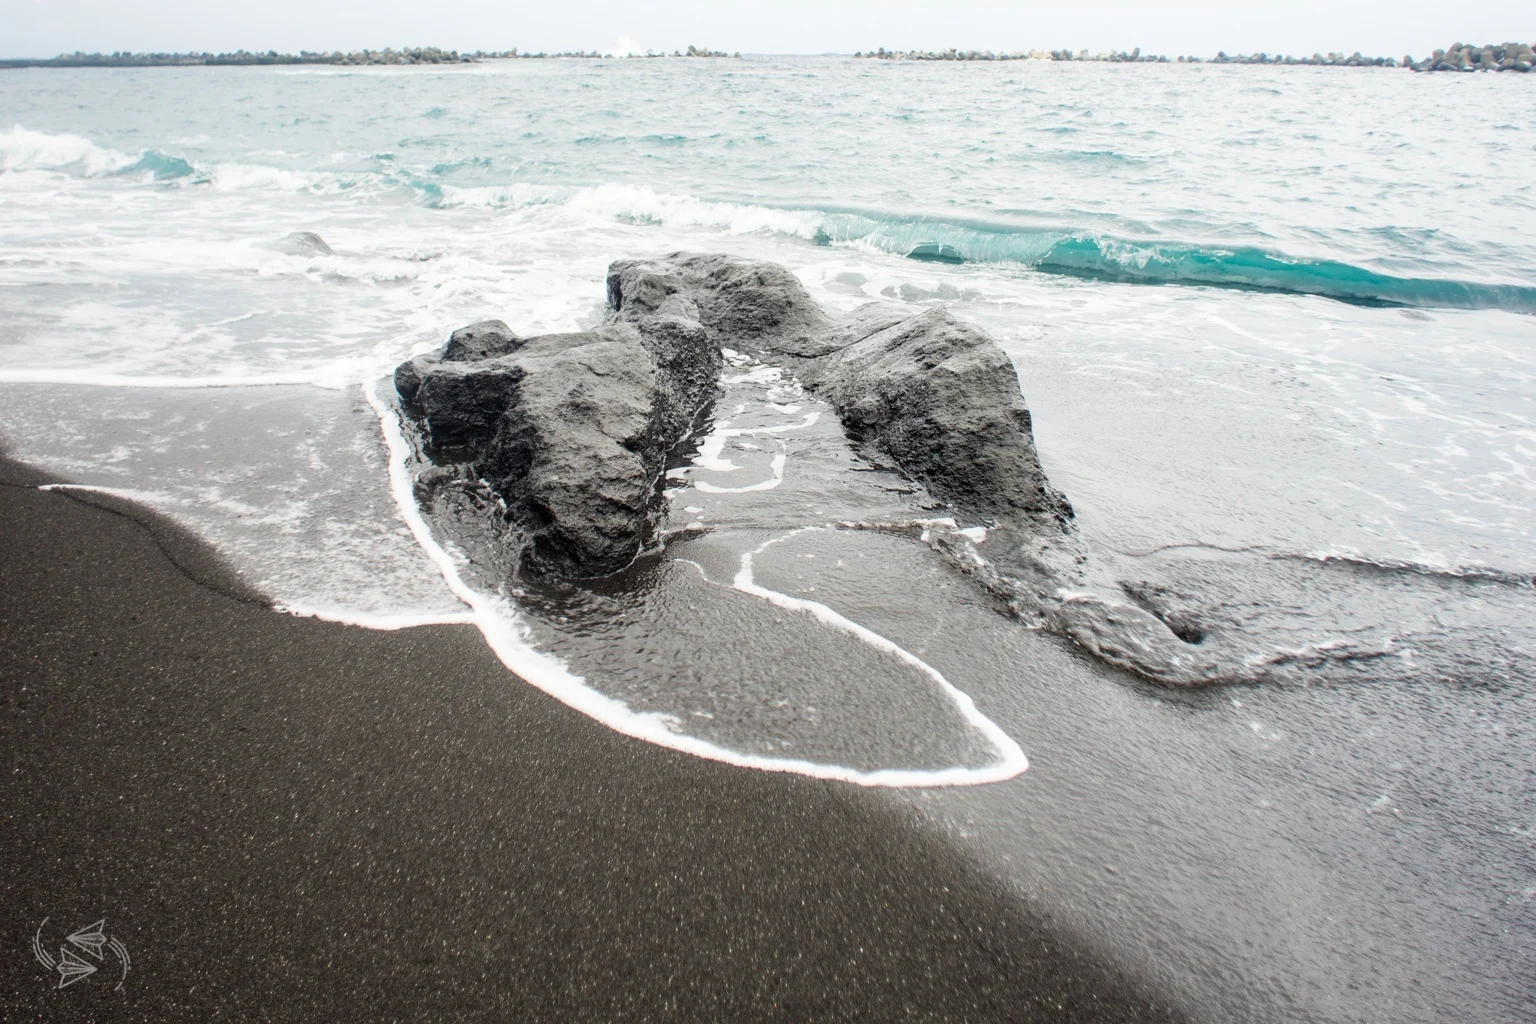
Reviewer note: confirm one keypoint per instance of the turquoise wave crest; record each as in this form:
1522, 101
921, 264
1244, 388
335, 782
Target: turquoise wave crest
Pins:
1067, 251
1102, 257
159, 166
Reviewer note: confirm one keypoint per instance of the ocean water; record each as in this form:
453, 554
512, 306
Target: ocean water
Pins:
1276, 327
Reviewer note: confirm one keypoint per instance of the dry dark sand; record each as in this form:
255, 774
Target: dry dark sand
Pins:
292, 820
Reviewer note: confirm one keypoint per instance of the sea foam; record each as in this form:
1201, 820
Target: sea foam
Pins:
25, 150
1065, 249
508, 636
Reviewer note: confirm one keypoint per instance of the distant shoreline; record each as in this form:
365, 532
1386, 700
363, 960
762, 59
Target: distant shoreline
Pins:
244, 58
1459, 57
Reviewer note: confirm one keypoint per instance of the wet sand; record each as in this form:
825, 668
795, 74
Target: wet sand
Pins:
289, 819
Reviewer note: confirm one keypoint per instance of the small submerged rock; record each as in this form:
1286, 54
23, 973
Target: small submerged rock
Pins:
303, 243
935, 252
484, 340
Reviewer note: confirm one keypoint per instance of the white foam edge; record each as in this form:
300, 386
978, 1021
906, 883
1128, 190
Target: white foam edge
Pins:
782, 428
1012, 760
710, 457
504, 633
351, 618
780, 459
142, 497
387, 623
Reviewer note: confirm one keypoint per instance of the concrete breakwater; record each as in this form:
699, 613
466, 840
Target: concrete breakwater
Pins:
1461, 57
242, 58
1113, 57
1135, 56
388, 55
1330, 60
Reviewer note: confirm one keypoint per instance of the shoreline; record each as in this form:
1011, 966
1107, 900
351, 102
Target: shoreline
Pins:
406, 55
1459, 57
290, 818
402, 832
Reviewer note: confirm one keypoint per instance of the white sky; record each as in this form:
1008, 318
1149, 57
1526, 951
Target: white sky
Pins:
40, 28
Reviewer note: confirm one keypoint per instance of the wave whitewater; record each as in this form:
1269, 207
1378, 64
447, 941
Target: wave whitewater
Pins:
1064, 251
1105, 257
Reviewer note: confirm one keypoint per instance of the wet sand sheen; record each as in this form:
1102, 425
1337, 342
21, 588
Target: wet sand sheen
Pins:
300, 820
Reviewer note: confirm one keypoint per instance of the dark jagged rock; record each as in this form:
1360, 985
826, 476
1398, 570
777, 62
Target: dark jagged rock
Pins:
934, 394
460, 403
565, 431
560, 444
940, 398
578, 451
483, 340
571, 432
742, 305
688, 361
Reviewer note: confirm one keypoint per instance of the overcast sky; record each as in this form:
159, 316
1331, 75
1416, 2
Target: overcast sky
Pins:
31, 28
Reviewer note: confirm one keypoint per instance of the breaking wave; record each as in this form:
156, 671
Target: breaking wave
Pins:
24, 150
1104, 257
159, 166
1065, 251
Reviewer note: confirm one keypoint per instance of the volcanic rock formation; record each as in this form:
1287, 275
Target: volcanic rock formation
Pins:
571, 432
933, 393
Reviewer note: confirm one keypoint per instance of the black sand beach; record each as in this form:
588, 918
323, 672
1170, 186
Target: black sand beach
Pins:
288, 819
